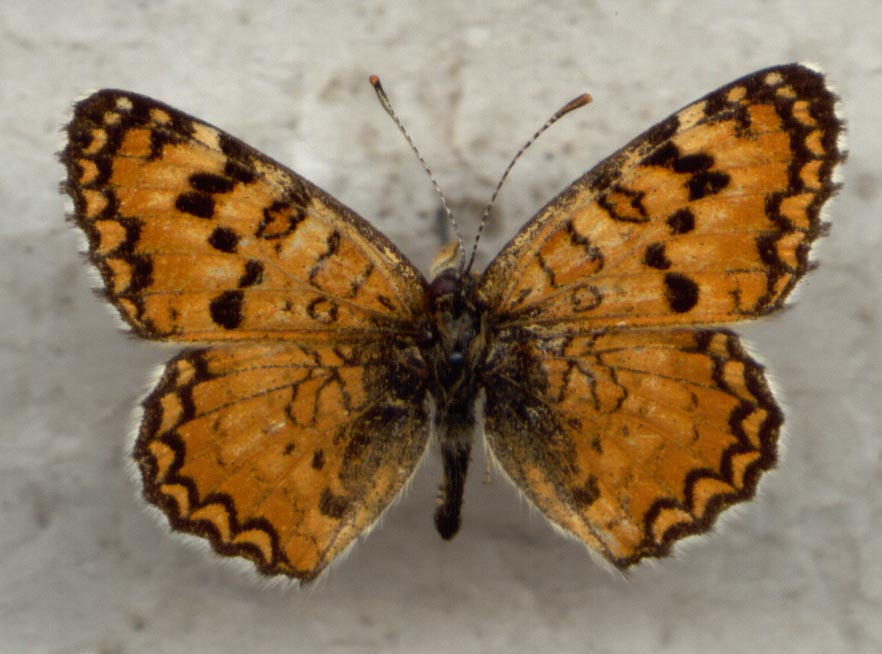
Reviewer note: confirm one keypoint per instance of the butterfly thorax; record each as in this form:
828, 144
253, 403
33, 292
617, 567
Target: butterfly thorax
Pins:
457, 343
454, 353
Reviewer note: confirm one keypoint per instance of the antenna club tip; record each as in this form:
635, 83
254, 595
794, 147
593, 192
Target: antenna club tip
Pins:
575, 103
375, 81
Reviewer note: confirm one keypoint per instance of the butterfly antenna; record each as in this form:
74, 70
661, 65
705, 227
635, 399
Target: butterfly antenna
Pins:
384, 100
572, 105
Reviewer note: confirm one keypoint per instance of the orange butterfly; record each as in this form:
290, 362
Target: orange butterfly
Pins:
303, 403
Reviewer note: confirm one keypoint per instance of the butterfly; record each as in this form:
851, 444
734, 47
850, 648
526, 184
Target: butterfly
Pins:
319, 362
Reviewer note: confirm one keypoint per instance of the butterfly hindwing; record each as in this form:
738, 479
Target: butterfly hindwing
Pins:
630, 440
281, 453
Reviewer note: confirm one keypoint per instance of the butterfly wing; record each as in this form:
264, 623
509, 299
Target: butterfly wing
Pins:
295, 429
705, 218
281, 453
631, 440
623, 422
199, 237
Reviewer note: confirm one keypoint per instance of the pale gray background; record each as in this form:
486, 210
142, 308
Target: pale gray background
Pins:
83, 568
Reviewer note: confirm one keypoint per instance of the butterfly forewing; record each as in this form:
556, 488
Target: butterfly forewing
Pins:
705, 218
199, 237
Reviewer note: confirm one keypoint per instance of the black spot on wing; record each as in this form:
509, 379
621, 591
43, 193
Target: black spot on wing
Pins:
224, 239
706, 183
654, 257
253, 274
226, 309
693, 163
239, 172
665, 156
141, 273
210, 183
196, 204
681, 221
681, 292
